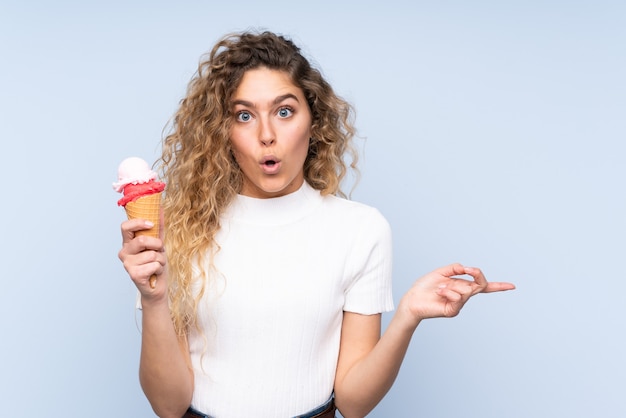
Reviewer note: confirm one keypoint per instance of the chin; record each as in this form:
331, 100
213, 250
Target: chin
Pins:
270, 187
276, 190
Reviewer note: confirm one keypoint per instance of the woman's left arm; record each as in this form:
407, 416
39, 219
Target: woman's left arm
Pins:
368, 363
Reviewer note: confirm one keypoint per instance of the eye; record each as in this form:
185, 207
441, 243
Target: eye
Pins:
243, 116
284, 112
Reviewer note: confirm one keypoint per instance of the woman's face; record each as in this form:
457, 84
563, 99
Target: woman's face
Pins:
270, 133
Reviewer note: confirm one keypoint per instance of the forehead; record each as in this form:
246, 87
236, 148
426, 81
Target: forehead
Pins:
262, 83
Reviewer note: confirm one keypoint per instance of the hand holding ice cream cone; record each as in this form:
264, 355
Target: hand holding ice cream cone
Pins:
142, 195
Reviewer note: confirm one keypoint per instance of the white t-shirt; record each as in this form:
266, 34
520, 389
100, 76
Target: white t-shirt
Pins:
271, 317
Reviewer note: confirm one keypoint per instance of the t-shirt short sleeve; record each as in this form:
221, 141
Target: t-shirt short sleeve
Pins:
370, 267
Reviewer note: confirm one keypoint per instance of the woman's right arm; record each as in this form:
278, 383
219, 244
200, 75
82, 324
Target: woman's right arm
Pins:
165, 369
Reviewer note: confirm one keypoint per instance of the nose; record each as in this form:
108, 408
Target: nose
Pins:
267, 135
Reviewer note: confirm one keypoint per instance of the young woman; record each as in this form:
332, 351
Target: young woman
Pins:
270, 284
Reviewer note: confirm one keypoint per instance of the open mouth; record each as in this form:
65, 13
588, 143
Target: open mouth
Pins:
270, 161
270, 165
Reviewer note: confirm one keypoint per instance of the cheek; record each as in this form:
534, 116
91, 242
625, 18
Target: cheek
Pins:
306, 145
236, 145
304, 139
236, 153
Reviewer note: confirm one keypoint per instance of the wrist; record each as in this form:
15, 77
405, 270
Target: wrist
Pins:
154, 302
406, 317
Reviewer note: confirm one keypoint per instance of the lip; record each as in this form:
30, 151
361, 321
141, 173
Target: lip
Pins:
270, 164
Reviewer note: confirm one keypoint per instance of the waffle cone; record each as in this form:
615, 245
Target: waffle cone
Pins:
146, 207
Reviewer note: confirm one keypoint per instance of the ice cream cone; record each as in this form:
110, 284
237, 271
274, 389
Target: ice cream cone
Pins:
146, 207
142, 195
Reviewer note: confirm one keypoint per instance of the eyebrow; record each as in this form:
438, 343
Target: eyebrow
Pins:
277, 100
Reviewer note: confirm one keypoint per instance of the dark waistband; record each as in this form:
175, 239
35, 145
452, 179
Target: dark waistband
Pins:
327, 410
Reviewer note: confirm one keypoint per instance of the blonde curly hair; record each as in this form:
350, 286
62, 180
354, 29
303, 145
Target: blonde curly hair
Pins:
198, 165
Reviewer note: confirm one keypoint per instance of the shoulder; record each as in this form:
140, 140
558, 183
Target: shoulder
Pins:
344, 213
343, 205
355, 214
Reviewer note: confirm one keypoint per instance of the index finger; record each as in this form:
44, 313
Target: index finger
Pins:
478, 276
450, 270
130, 227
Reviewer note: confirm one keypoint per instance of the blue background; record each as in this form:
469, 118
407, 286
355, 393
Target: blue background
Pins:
494, 135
